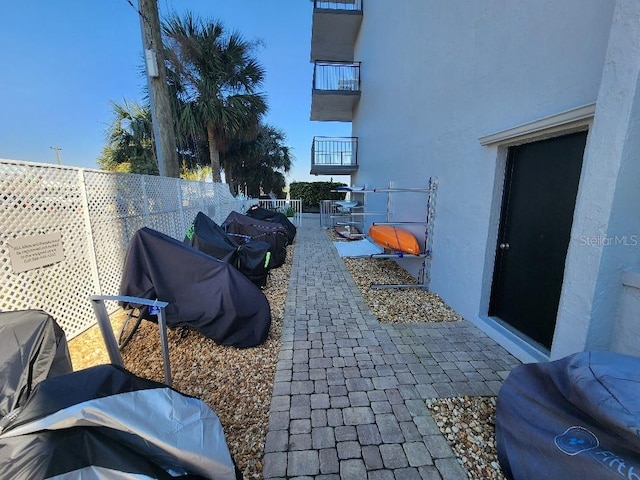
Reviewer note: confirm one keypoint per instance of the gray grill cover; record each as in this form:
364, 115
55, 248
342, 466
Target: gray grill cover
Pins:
106, 423
32, 347
578, 417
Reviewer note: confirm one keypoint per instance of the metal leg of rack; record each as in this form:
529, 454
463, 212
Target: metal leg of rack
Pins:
97, 302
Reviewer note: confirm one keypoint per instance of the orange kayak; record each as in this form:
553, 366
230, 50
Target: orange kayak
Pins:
394, 238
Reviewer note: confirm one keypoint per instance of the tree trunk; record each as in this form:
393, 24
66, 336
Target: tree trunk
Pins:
228, 175
214, 155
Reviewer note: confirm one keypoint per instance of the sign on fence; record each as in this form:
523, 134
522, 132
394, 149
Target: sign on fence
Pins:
33, 252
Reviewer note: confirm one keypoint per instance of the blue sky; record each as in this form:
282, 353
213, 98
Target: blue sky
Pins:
65, 61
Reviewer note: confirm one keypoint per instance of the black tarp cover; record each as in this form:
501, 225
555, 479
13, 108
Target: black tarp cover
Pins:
32, 348
239, 226
106, 423
574, 418
251, 258
254, 258
204, 293
261, 213
209, 237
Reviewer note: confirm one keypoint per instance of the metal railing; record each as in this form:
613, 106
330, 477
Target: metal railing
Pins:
291, 208
351, 5
334, 151
343, 77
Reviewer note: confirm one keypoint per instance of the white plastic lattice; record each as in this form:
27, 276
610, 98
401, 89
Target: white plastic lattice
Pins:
96, 214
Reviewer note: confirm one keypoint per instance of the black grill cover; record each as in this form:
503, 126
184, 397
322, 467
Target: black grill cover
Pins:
243, 228
204, 293
250, 258
33, 347
104, 422
209, 237
578, 417
253, 260
260, 213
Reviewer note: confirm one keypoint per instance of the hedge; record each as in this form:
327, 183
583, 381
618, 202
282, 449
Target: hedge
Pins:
312, 193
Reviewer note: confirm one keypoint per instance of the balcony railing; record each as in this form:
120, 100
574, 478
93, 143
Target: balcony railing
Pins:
334, 151
344, 77
334, 30
354, 5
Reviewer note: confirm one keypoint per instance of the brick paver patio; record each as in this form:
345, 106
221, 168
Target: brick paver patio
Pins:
348, 398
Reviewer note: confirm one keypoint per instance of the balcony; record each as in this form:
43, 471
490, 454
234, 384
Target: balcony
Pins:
336, 90
334, 155
335, 27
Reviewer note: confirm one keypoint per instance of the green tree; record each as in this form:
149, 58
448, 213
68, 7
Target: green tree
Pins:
216, 79
259, 164
130, 148
197, 173
129, 140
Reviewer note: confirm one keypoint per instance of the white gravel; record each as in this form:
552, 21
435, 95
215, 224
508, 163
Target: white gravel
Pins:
468, 424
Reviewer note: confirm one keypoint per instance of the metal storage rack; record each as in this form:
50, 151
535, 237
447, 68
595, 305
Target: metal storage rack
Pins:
355, 217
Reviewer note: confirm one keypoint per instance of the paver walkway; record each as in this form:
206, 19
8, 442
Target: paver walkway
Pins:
348, 398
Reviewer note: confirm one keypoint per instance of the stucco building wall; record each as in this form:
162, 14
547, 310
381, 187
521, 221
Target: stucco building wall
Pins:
436, 77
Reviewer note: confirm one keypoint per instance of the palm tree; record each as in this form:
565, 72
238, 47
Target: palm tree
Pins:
216, 78
130, 147
262, 162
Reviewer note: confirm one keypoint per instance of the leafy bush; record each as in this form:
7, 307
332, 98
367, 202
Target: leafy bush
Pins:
312, 193
288, 211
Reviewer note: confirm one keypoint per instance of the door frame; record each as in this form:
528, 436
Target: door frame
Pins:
564, 123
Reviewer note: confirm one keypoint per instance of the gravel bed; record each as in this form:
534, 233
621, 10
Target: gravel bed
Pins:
468, 424
396, 305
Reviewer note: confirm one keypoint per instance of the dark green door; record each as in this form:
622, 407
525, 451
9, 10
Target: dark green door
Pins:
541, 183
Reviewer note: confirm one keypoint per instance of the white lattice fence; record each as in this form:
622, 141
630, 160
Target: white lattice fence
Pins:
96, 213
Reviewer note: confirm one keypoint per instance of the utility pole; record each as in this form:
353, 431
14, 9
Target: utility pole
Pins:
57, 149
161, 112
